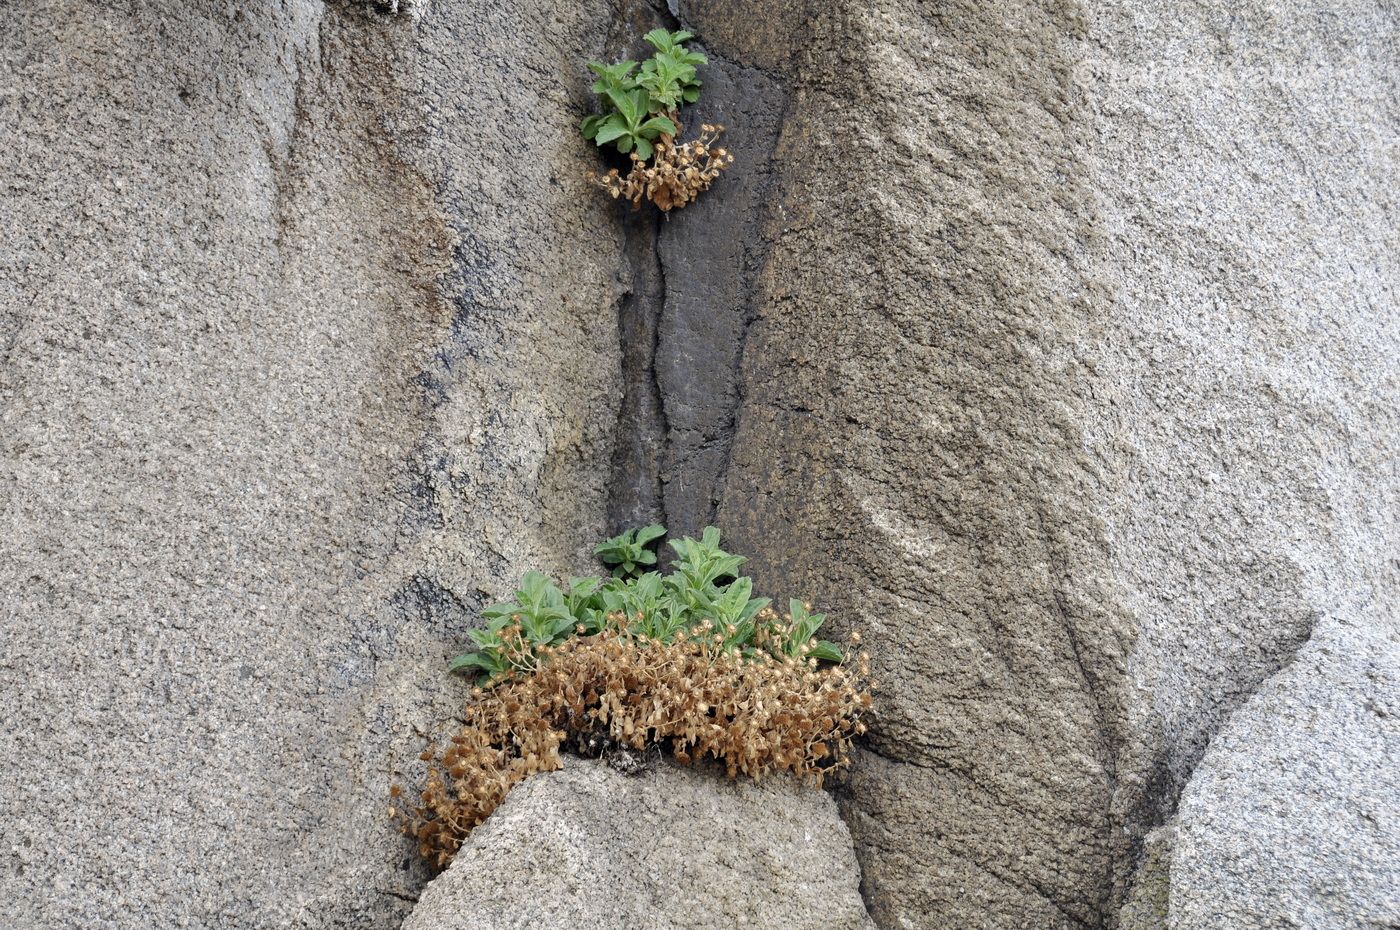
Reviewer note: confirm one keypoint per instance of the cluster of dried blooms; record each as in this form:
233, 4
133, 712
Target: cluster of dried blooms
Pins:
756, 715
676, 175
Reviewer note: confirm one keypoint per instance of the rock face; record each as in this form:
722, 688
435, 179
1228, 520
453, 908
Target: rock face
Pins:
1053, 344
588, 848
1292, 818
1074, 385
309, 341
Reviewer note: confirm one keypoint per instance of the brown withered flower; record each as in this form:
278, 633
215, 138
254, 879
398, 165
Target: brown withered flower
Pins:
676, 174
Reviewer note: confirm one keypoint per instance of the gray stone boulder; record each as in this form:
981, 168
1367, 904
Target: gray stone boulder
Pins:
1293, 817
589, 847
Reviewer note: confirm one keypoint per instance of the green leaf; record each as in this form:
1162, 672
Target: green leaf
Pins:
485, 639
610, 130
648, 533
613, 77
582, 587
660, 39
754, 606
631, 105
471, 660
826, 651
501, 610
664, 41
657, 125
691, 94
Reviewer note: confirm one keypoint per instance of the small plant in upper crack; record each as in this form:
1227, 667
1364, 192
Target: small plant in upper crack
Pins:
627, 552
641, 119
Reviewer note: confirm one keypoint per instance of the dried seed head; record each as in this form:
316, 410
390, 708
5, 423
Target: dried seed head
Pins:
703, 700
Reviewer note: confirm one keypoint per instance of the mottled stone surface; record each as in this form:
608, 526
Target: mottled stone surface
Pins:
1247, 377
1074, 384
1053, 344
309, 346
588, 848
1292, 818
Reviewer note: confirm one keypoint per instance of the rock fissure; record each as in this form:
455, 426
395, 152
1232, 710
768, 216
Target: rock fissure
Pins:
993, 287
685, 322
635, 495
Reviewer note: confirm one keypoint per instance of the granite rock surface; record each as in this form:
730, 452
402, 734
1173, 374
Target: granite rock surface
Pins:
589, 848
1292, 818
1055, 345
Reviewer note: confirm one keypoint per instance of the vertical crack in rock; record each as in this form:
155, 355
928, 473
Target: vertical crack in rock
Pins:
684, 323
711, 254
635, 497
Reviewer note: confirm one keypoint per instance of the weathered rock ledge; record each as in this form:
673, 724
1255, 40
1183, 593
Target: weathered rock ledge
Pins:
589, 847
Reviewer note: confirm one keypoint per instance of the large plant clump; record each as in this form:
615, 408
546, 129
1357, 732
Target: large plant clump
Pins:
641, 119
689, 663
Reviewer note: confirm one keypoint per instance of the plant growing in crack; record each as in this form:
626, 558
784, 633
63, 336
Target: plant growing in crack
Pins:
689, 663
641, 119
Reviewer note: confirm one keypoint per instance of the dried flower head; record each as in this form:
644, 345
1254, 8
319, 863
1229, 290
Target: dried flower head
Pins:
675, 176
623, 690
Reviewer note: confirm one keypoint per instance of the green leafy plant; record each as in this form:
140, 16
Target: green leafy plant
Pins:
628, 551
640, 103
669, 76
641, 118
629, 126
703, 587
689, 663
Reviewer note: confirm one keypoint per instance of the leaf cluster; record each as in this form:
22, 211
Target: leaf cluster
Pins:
703, 587
640, 104
628, 551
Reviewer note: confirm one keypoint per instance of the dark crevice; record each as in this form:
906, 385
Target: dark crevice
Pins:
635, 497
684, 323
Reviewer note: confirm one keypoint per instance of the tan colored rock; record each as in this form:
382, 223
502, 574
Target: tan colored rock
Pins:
1073, 383
307, 347
589, 848
1054, 345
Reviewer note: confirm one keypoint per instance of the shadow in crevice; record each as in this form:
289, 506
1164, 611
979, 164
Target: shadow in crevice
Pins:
685, 320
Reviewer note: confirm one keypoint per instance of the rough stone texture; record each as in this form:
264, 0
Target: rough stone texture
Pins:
1248, 203
710, 255
588, 848
910, 449
1292, 818
309, 346
1246, 173
1054, 344
689, 306
1074, 384
1146, 904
